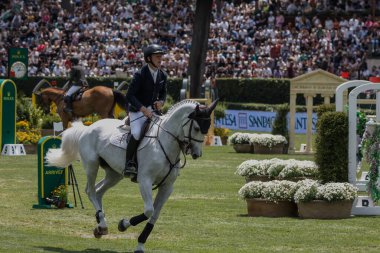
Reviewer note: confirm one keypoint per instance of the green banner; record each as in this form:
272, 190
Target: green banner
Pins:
18, 63
8, 94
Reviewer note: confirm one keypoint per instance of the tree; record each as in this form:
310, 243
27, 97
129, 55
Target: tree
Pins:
199, 45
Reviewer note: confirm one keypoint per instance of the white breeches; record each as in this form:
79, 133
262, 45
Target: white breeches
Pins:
137, 120
72, 90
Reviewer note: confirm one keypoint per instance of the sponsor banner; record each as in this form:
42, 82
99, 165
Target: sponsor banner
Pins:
260, 121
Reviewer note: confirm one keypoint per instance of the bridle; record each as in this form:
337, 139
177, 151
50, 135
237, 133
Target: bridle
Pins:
56, 97
184, 145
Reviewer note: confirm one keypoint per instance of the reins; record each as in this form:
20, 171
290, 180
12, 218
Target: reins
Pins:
183, 146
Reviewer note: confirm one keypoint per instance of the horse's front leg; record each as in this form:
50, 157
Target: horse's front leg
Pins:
146, 193
161, 198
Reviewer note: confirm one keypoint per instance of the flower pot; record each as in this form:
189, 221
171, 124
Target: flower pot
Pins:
321, 209
47, 132
257, 178
265, 208
261, 149
61, 204
30, 149
242, 148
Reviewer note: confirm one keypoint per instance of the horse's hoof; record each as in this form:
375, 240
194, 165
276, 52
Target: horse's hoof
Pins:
138, 251
121, 225
99, 232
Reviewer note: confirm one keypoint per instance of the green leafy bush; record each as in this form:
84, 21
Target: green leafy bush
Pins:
332, 147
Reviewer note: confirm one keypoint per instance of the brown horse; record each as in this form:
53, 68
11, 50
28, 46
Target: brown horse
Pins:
100, 100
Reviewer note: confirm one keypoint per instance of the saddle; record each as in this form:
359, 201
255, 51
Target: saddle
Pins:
78, 95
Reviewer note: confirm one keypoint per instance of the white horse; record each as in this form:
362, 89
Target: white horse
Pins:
182, 129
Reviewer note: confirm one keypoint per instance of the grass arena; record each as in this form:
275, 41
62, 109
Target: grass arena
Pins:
204, 214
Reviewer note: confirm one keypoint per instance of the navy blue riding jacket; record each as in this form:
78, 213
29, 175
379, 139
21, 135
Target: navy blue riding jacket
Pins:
143, 91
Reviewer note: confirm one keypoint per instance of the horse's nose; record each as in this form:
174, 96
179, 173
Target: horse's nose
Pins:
195, 156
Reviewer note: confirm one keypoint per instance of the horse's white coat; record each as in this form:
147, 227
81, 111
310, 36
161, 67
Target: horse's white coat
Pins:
94, 141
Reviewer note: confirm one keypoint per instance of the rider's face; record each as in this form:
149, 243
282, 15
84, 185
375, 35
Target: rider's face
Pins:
156, 60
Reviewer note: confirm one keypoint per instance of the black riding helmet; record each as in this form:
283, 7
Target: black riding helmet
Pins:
74, 60
152, 49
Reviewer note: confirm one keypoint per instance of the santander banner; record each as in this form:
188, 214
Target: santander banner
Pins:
260, 121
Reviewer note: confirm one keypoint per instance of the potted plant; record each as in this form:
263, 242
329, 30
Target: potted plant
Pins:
265, 170
269, 199
268, 143
58, 197
324, 201
240, 142
298, 170
27, 136
223, 133
255, 170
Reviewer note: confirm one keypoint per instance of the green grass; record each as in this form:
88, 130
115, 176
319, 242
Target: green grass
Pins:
203, 214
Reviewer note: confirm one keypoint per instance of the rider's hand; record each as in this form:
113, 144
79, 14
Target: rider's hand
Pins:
158, 105
147, 113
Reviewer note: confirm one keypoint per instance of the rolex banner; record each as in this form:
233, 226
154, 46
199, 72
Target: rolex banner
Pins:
18, 63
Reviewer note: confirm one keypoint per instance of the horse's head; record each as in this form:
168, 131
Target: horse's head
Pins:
43, 100
196, 127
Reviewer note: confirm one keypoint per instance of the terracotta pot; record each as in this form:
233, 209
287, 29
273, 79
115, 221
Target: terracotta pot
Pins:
257, 178
321, 209
260, 149
243, 148
265, 208
30, 149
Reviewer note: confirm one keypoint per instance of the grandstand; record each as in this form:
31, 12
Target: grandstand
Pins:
248, 39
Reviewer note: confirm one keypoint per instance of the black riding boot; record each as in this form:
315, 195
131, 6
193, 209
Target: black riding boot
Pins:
130, 165
69, 104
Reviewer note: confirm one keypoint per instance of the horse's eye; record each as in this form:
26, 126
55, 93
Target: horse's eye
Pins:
197, 129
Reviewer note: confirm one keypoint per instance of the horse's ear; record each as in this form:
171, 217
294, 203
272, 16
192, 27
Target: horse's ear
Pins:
212, 106
197, 108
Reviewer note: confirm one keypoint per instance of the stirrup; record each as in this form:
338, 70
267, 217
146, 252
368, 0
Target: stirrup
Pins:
130, 170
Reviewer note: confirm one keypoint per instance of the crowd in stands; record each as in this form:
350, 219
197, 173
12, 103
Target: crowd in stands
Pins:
266, 38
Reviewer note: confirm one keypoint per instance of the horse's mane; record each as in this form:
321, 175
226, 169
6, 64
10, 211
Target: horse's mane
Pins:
179, 104
52, 90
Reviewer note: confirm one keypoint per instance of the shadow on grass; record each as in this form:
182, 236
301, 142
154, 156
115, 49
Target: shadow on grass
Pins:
61, 250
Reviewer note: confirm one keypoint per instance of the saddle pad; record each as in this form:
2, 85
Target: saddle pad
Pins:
120, 139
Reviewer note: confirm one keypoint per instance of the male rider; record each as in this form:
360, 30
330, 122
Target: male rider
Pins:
76, 81
146, 92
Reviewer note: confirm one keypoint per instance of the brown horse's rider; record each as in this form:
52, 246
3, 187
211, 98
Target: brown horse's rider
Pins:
77, 80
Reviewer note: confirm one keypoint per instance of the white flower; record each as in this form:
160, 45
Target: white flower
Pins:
238, 138
267, 140
282, 169
272, 191
309, 190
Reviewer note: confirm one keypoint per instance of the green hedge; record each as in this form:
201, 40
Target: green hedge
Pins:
26, 86
260, 91
266, 91
332, 147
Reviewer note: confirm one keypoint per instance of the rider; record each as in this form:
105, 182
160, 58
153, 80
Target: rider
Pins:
77, 80
146, 92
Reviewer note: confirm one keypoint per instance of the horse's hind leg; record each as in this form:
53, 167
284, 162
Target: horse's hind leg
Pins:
92, 168
110, 180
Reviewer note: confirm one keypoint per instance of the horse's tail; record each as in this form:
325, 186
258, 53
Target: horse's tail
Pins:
69, 151
119, 99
